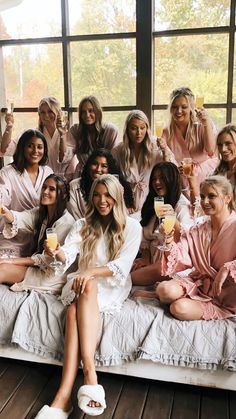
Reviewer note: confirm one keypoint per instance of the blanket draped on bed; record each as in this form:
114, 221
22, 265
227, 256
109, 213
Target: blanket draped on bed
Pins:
141, 330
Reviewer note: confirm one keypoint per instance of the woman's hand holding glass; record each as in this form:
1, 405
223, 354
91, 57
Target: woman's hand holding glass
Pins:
167, 229
52, 248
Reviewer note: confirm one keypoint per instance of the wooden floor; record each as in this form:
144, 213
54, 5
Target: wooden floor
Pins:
25, 387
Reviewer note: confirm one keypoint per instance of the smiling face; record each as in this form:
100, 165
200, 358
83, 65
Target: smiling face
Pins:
213, 201
34, 151
102, 200
88, 116
47, 116
137, 130
98, 167
49, 193
181, 110
227, 147
158, 184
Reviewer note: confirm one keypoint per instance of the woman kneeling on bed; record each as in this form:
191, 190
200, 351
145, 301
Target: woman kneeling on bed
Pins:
107, 242
209, 291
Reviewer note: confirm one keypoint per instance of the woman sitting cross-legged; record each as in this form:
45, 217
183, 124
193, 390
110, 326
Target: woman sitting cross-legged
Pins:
209, 291
107, 242
24, 273
164, 183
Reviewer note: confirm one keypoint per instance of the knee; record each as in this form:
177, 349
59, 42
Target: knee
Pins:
163, 291
90, 288
180, 309
3, 271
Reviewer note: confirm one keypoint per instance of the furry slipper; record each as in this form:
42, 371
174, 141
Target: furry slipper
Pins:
87, 393
48, 412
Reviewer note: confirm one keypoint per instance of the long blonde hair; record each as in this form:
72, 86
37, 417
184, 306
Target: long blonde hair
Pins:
127, 149
189, 96
53, 104
91, 232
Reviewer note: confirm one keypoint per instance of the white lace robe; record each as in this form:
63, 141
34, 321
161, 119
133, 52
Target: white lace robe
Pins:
112, 290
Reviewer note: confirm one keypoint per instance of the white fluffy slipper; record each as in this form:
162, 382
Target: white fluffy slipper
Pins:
48, 412
87, 393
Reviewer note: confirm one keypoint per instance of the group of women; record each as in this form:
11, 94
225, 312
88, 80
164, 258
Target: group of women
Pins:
102, 247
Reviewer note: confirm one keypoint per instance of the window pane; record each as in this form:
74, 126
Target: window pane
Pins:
32, 72
31, 19
234, 115
24, 121
103, 16
179, 61
105, 69
234, 76
182, 14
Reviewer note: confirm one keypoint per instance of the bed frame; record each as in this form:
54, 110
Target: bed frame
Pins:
222, 379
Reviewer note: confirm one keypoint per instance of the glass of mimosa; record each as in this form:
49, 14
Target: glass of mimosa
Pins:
158, 203
187, 164
158, 129
52, 243
199, 102
168, 225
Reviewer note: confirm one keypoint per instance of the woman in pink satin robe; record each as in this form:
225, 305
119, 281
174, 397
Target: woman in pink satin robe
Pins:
137, 155
209, 290
21, 183
191, 133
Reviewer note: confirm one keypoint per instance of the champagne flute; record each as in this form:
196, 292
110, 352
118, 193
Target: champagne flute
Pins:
64, 119
10, 106
168, 225
158, 129
158, 202
199, 102
52, 243
187, 164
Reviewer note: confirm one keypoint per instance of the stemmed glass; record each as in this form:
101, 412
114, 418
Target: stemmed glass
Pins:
199, 102
64, 119
158, 129
158, 202
168, 225
52, 243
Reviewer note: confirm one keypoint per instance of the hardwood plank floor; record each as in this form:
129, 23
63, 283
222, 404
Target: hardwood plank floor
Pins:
25, 387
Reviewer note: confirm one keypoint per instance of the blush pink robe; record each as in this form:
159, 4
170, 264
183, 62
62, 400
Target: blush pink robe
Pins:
195, 249
181, 148
19, 194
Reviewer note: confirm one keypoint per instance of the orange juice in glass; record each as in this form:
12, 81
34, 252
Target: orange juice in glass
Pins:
1, 204
187, 164
168, 223
199, 102
51, 238
158, 202
158, 129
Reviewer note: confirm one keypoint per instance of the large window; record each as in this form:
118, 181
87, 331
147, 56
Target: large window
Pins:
129, 54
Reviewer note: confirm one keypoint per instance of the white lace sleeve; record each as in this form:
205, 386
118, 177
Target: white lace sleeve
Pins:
118, 277
10, 230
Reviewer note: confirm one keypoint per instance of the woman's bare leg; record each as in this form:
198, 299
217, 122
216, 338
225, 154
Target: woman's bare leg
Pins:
71, 361
186, 309
148, 275
169, 291
10, 274
88, 325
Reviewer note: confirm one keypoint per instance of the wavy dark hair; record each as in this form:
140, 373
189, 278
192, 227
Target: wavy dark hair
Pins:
81, 135
63, 195
19, 160
171, 178
113, 168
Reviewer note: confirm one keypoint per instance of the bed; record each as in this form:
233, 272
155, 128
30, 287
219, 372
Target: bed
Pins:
141, 340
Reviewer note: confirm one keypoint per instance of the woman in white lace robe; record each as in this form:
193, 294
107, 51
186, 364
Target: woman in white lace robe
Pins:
107, 243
